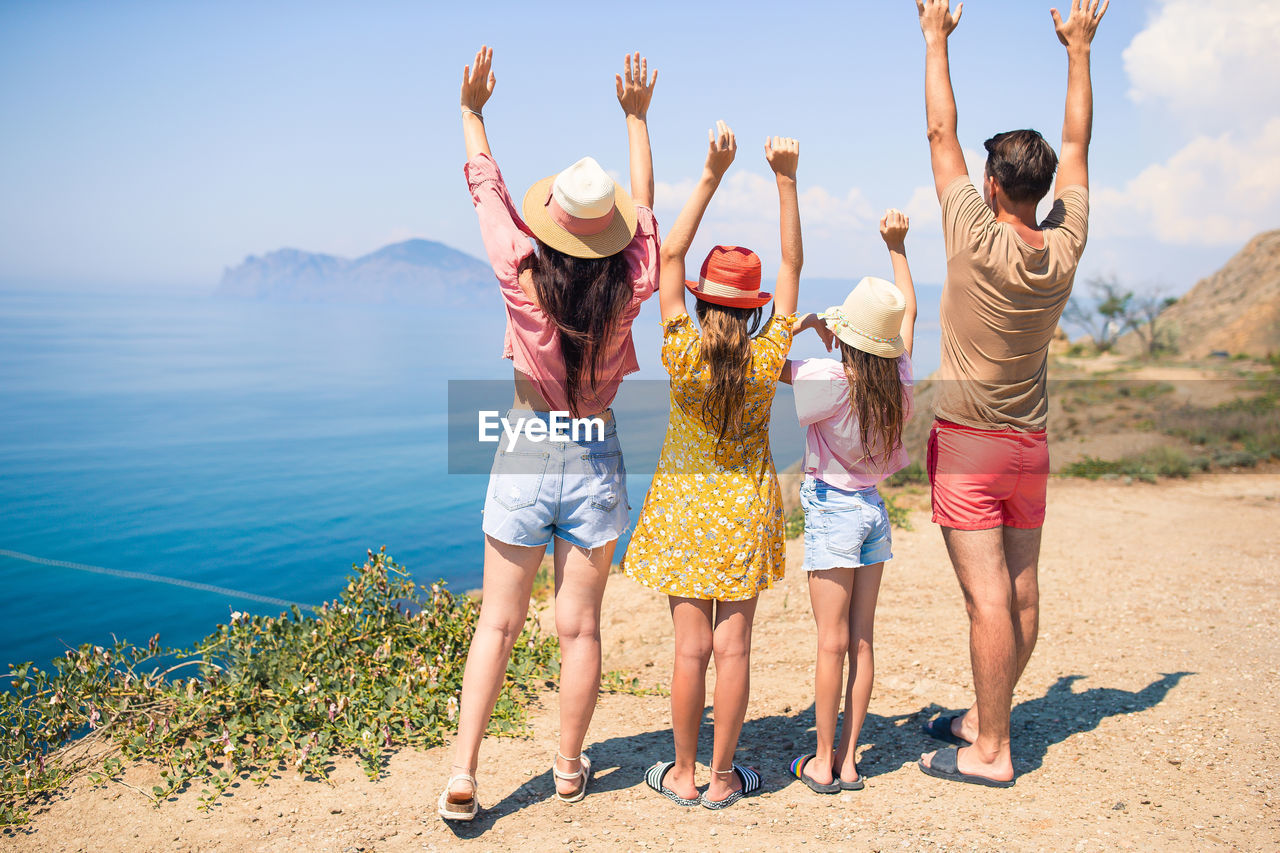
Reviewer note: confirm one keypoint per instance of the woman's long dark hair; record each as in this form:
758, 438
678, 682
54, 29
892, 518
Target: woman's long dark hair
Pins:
876, 390
726, 350
584, 297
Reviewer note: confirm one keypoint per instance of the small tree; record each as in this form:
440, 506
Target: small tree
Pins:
1103, 313
1146, 317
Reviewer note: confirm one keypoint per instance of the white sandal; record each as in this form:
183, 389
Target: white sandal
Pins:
463, 810
584, 773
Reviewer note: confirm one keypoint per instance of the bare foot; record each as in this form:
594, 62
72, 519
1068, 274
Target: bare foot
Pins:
723, 785
971, 762
569, 787
816, 769
681, 782
461, 791
966, 725
849, 765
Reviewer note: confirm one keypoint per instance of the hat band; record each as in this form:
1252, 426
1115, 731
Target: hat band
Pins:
839, 322
576, 225
715, 288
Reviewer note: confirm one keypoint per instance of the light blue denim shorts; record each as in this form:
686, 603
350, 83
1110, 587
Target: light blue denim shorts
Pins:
843, 529
576, 490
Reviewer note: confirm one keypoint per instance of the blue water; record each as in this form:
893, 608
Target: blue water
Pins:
252, 446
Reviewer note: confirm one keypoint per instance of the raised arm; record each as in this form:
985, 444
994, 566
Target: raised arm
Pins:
893, 229
721, 149
783, 154
1077, 33
477, 85
937, 23
634, 94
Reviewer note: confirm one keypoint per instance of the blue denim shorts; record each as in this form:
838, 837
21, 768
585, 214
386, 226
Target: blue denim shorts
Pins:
843, 529
576, 490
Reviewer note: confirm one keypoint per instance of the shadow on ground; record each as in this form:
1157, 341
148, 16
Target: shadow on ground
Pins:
768, 744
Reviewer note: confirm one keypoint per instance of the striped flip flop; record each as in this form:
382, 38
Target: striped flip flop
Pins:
750, 784
653, 778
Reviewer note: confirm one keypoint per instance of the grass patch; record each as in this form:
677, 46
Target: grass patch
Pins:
617, 681
1147, 466
376, 669
795, 523
913, 475
1247, 425
899, 516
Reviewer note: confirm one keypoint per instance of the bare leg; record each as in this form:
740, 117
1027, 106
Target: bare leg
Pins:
831, 594
692, 620
732, 646
862, 669
978, 559
581, 574
508, 582
1022, 556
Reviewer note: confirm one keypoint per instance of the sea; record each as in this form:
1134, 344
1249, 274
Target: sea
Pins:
169, 458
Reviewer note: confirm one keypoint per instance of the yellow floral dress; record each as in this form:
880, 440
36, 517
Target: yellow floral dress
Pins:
712, 526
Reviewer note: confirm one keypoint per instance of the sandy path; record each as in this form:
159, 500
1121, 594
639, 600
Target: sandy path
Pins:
1143, 721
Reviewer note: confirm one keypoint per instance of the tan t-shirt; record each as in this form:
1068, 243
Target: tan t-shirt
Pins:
1000, 308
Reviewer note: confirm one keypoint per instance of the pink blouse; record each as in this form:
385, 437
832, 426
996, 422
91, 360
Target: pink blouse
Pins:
833, 450
532, 341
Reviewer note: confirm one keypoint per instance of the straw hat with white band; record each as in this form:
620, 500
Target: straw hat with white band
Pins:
870, 318
581, 212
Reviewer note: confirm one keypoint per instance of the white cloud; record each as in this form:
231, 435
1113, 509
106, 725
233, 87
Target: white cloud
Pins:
1209, 61
1217, 190
923, 209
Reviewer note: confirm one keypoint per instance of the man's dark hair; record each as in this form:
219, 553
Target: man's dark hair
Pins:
1022, 164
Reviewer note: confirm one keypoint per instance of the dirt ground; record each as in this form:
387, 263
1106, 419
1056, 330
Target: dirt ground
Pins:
1145, 721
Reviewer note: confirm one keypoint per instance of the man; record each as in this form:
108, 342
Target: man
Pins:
1008, 279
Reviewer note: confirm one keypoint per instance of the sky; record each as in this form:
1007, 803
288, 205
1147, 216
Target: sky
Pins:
154, 144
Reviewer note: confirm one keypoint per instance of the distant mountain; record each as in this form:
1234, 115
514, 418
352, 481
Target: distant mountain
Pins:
415, 272
1235, 310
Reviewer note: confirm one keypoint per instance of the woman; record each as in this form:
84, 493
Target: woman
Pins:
570, 306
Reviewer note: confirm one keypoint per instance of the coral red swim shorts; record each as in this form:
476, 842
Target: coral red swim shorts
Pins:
980, 479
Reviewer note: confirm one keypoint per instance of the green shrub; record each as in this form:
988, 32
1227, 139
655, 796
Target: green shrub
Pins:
914, 474
899, 516
795, 523
1235, 459
1146, 466
1091, 468
378, 668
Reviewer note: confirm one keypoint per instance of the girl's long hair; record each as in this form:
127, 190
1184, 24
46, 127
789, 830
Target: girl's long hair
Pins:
584, 297
876, 390
726, 350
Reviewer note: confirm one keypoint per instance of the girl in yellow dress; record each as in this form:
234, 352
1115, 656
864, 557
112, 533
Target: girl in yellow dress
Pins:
711, 532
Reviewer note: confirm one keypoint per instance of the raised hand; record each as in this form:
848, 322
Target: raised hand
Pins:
936, 18
1079, 29
635, 87
783, 154
722, 147
893, 228
478, 81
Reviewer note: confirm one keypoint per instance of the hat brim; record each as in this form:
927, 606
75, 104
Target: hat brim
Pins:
729, 301
857, 340
610, 241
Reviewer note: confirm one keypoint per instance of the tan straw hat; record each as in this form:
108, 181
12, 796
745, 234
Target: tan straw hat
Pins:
581, 212
870, 318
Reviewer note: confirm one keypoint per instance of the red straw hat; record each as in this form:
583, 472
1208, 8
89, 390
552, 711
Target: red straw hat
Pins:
730, 276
